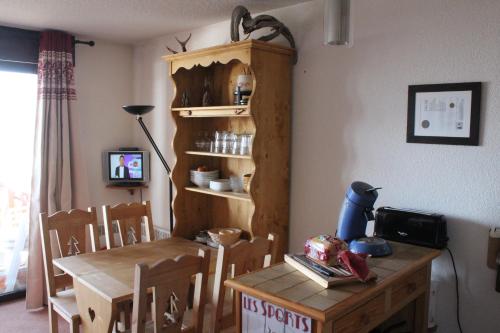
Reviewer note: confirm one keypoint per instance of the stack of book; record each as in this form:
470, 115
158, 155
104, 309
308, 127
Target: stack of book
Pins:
326, 276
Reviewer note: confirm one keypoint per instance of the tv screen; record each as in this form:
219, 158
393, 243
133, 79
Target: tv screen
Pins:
126, 166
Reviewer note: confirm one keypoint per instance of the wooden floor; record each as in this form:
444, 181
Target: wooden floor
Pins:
15, 319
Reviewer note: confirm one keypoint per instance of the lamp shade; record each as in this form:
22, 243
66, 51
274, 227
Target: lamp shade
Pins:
337, 23
138, 110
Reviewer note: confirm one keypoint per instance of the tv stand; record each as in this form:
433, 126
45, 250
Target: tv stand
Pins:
131, 187
127, 184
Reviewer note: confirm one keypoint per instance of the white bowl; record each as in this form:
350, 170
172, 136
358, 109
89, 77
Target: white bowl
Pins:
224, 236
204, 173
220, 185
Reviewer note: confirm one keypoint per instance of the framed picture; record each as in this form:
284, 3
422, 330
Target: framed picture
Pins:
444, 113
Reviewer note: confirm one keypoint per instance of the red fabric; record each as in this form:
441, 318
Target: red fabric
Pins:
356, 263
56, 41
55, 66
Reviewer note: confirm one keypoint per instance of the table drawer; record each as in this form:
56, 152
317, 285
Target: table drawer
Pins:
409, 287
363, 318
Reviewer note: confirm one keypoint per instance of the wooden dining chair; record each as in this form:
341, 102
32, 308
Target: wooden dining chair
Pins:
170, 282
69, 229
129, 218
239, 258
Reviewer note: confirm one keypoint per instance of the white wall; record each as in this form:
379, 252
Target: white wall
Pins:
103, 77
152, 85
349, 123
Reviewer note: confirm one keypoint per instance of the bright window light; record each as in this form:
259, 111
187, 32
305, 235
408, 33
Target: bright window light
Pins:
18, 98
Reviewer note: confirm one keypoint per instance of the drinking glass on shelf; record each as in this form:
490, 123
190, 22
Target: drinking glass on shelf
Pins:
211, 148
218, 141
243, 145
206, 141
246, 144
250, 142
226, 142
198, 142
236, 184
236, 144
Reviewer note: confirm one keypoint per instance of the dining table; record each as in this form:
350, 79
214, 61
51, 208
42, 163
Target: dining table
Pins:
104, 279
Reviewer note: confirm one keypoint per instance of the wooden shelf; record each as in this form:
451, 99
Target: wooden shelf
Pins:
206, 153
266, 209
230, 195
131, 189
214, 111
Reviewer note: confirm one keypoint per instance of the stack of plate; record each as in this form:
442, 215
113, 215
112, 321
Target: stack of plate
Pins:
203, 178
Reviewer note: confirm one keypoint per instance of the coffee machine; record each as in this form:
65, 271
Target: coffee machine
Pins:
356, 211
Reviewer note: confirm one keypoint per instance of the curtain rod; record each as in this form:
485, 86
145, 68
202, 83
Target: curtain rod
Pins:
89, 43
76, 41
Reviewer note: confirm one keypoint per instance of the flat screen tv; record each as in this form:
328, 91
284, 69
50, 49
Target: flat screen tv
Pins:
125, 167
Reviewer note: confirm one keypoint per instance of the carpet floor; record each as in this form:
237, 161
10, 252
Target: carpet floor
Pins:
15, 319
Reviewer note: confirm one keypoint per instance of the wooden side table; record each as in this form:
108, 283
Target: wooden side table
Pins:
287, 300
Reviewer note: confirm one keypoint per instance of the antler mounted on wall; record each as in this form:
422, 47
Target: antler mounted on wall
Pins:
182, 44
249, 24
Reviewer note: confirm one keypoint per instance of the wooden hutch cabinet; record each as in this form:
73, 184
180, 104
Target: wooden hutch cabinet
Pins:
265, 208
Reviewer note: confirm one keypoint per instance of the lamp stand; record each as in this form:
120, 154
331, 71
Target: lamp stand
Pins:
164, 162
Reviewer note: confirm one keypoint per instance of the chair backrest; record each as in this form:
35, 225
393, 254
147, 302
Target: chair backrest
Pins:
239, 258
69, 229
129, 218
170, 281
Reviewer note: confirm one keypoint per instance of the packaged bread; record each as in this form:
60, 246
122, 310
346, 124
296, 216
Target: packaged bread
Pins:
324, 249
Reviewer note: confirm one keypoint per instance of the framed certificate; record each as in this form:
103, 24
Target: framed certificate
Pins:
444, 113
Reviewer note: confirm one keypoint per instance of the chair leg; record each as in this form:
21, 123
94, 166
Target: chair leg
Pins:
74, 326
123, 323
128, 312
52, 319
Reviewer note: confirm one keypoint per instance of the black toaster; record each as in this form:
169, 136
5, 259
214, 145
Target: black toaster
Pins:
411, 226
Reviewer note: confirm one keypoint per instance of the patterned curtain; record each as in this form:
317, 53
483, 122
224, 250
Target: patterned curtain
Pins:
51, 179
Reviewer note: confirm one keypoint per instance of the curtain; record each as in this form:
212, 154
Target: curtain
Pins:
51, 179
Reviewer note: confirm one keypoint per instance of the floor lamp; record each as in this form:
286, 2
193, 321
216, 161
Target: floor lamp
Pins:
138, 111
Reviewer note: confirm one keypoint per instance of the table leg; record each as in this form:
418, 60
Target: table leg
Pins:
96, 314
320, 327
317, 326
422, 306
237, 315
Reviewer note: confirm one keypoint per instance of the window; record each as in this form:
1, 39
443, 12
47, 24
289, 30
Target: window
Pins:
18, 98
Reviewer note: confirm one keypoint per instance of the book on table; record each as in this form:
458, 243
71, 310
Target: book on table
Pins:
325, 276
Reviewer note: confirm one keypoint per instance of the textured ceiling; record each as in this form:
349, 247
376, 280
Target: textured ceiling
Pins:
126, 21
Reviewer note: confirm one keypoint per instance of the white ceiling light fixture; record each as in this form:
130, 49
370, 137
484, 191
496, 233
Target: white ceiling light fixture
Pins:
338, 23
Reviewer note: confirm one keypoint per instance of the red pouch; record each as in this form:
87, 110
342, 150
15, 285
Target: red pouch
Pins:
356, 263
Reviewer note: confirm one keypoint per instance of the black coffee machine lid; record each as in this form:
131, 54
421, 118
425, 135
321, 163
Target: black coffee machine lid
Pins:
362, 194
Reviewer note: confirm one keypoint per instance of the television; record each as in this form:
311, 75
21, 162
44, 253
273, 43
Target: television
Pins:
129, 167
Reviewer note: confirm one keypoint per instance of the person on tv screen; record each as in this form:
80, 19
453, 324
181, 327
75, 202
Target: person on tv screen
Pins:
121, 171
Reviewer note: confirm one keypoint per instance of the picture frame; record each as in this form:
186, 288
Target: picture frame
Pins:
444, 113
